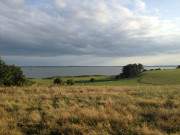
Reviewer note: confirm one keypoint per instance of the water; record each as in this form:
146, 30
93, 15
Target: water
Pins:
42, 72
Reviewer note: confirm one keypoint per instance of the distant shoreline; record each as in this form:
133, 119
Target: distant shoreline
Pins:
52, 71
104, 66
78, 76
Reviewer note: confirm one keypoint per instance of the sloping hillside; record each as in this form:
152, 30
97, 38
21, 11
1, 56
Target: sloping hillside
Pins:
162, 77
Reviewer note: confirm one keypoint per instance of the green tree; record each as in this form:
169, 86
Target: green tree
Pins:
11, 75
2, 72
132, 70
178, 67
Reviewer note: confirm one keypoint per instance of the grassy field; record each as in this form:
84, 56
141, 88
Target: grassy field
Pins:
161, 77
146, 105
99, 81
90, 110
79, 80
156, 77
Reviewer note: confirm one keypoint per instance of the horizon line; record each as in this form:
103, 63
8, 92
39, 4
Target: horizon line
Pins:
93, 66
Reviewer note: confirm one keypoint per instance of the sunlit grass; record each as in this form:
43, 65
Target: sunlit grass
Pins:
101, 110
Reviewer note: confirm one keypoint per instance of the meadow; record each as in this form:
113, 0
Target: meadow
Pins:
154, 77
146, 105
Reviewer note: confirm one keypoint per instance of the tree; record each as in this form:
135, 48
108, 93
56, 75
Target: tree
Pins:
178, 67
140, 68
1, 62
131, 70
11, 75
2, 74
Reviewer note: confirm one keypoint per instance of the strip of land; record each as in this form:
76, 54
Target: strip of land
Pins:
155, 77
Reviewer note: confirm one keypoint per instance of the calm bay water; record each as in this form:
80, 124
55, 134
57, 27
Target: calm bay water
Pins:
42, 72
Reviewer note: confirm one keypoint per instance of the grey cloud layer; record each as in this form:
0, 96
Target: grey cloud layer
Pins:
96, 27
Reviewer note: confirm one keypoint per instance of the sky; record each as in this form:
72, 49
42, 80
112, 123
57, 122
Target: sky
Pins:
90, 33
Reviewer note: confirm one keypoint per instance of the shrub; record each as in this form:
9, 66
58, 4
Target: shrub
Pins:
92, 80
70, 82
58, 81
178, 67
158, 69
131, 70
14, 76
11, 75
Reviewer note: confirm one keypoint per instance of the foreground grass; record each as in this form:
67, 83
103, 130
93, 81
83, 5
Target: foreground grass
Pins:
93, 110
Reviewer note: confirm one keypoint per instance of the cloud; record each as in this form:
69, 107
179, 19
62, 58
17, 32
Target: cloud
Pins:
140, 5
95, 28
13, 3
60, 3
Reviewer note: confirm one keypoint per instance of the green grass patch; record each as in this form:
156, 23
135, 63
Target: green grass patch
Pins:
161, 77
156, 77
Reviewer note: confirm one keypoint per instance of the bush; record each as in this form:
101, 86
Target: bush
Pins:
178, 67
131, 70
58, 81
92, 80
11, 75
14, 76
70, 82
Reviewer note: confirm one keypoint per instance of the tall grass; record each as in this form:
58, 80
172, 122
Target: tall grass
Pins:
90, 110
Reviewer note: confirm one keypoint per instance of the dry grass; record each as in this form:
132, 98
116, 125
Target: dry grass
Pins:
90, 110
